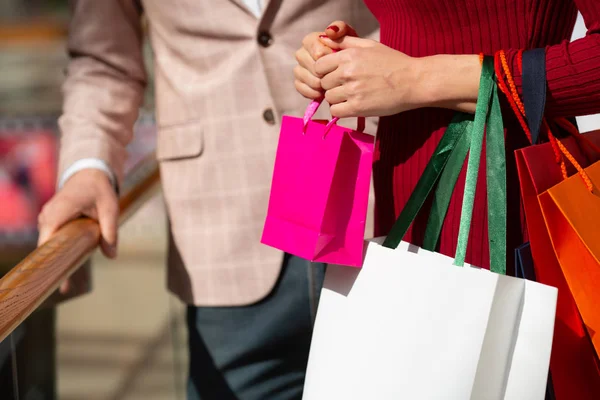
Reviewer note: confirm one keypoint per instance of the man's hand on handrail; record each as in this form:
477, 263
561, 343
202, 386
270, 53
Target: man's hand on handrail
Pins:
27, 285
88, 193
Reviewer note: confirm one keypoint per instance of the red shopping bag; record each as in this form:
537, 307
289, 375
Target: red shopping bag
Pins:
574, 364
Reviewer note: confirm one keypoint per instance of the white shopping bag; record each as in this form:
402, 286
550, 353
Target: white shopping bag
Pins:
410, 325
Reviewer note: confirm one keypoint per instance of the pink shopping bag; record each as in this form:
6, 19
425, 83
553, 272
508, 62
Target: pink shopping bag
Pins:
320, 190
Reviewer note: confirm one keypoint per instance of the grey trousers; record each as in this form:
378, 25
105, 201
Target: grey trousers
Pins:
256, 352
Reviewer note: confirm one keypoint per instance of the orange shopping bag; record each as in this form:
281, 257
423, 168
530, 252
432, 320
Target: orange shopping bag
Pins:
571, 211
574, 368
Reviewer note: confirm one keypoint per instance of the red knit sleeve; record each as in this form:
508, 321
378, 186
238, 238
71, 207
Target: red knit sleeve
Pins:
572, 69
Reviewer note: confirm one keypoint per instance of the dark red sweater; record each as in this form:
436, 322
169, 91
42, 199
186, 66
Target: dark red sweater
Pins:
406, 141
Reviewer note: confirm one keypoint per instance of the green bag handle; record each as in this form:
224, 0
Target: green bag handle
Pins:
462, 136
495, 173
443, 192
460, 125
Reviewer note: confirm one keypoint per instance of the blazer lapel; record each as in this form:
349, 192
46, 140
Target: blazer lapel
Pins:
270, 9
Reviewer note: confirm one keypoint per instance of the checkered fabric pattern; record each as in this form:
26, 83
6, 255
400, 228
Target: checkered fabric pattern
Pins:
215, 87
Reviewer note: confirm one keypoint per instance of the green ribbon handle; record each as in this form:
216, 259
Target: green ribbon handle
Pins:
458, 128
444, 190
486, 111
496, 187
464, 135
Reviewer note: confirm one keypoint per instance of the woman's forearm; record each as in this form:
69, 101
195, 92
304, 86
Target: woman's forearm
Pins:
367, 78
448, 81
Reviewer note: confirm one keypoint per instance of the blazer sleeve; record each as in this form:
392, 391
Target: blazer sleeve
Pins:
105, 82
572, 68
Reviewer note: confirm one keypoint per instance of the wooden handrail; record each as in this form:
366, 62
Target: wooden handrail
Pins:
37, 276
34, 31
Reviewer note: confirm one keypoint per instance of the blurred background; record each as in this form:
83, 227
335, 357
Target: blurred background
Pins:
125, 339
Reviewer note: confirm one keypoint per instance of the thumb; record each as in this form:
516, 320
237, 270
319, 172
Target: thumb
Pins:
339, 29
348, 42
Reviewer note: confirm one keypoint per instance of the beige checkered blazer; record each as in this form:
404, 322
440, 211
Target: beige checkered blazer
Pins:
223, 80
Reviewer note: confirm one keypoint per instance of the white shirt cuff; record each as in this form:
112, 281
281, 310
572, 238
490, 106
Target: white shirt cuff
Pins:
87, 163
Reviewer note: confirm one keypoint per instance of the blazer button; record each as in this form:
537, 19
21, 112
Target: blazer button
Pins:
269, 116
265, 39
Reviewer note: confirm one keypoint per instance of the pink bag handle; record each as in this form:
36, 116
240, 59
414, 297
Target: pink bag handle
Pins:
311, 110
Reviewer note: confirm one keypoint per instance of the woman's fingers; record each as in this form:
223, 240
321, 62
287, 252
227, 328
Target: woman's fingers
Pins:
315, 48
333, 79
339, 29
307, 81
343, 110
307, 91
316, 59
306, 61
347, 42
336, 95
303, 75
307, 84
328, 64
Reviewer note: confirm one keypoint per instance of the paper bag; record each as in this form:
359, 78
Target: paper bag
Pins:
320, 190
572, 214
574, 362
411, 325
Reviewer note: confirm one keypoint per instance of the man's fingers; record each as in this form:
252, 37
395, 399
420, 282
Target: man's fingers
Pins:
65, 287
339, 29
108, 215
53, 216
45, 232
88, 193
45, 225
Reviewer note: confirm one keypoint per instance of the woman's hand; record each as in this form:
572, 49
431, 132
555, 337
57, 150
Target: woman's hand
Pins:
367, 78
307, 81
